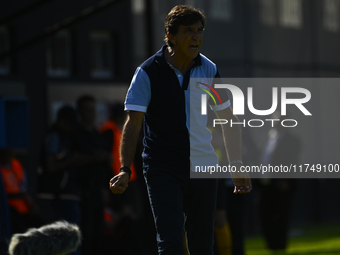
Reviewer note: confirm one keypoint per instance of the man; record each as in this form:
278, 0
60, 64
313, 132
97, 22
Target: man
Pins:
111, 132
21, 208
59, 187
160, 95
281, 147
92, 177
5, 232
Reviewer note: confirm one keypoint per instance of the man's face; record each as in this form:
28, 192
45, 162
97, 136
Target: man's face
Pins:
187, 42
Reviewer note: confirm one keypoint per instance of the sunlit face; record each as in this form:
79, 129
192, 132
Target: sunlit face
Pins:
187, 42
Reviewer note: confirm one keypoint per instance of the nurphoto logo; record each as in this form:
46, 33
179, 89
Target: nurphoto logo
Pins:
239, 104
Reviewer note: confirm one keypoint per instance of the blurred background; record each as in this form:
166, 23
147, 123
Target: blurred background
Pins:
54, 51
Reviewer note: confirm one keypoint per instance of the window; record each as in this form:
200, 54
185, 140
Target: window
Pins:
268, 12
59, 54
221, 10
102, 54
291, 13
138, 6
331, 15
4, 47
195, 3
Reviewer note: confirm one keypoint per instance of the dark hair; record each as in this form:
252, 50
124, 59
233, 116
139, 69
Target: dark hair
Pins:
84, 99
68, 114
181, 15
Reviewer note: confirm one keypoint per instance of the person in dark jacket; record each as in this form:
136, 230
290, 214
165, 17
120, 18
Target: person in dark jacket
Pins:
276, 198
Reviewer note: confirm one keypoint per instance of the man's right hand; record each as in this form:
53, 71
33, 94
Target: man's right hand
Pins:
128, 144
242, 181
119, 183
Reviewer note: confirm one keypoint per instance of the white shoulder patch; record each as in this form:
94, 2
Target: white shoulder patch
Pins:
208, 66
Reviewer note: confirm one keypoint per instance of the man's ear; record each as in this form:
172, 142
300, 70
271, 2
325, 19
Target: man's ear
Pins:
171, 38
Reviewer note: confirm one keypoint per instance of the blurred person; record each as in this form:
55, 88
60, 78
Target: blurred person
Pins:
158, 96
230, 222
22, 209
112, 131
93, 176
59, 187
223, 235
276, 194
128, 207
5, 232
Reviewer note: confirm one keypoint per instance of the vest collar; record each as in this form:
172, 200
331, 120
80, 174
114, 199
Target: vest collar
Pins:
160, 58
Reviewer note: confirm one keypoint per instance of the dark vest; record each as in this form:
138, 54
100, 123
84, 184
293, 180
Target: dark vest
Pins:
166, 139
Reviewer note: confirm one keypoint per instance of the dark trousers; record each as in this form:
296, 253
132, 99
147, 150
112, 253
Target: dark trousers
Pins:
275, 212
182, 204
235, 215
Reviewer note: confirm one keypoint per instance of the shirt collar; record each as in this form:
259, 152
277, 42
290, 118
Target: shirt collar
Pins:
160, 58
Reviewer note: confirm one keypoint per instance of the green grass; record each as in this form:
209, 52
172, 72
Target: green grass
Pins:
313, 240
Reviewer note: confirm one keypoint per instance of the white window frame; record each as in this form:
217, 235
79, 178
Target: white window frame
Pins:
59, 72
291, 13
195, 3
138, 6
221, 10
268, 12
102, 36
331, 15
5, 70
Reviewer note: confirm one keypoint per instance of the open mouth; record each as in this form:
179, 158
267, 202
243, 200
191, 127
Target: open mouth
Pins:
193, 47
